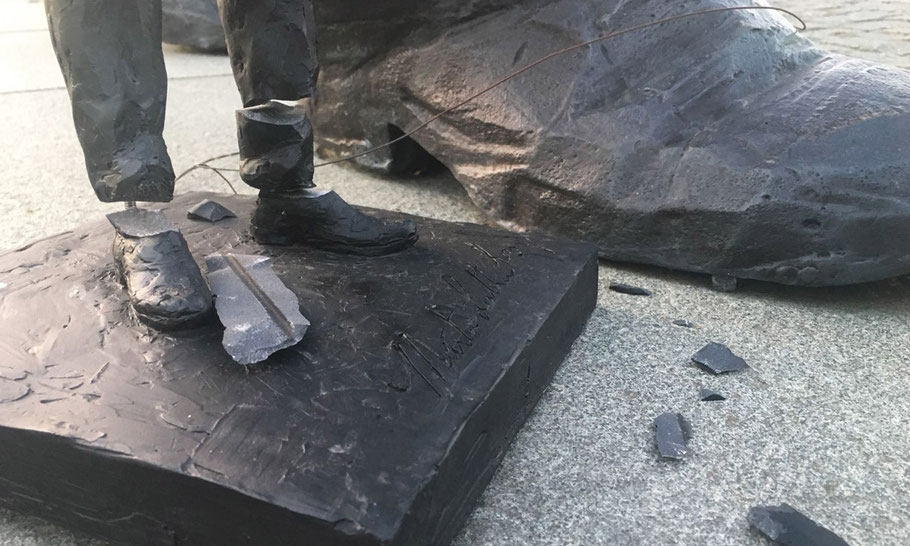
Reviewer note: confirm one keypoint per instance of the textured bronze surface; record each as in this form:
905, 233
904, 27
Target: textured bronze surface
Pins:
382, 426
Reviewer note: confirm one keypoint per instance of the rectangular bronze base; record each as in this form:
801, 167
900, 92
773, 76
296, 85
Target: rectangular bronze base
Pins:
383, 426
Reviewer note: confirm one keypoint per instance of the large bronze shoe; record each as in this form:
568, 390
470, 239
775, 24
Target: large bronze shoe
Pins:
321, 219
165, 286
724, 144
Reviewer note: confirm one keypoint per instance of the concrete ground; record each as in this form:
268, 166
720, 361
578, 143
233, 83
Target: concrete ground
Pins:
820, 422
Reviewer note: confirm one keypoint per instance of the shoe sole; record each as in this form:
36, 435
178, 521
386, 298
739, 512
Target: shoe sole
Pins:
338, 248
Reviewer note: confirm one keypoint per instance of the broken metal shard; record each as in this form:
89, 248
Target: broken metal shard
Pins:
718, 359
672, 434
629, 289
259, 313
139, 222
209, 211
785, 525
707, 395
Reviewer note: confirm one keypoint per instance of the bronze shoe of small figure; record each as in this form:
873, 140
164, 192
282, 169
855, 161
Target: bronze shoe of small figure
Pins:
166, 288
276, 156
322, 219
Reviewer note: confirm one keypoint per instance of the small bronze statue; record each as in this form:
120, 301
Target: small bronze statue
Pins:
110, 55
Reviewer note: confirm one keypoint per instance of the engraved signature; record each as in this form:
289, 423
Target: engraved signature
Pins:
475, 290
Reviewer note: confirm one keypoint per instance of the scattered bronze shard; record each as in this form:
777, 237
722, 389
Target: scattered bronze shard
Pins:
718, 359
708, 395
209, 211
672, 433
786, 526
630, 290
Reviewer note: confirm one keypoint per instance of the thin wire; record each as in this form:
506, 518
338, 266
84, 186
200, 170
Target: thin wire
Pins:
513, 75
219, 173
205, 164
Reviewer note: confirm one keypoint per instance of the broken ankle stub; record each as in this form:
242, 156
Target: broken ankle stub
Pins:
322, 219
166, 289
629, 289
708, 395
276, 147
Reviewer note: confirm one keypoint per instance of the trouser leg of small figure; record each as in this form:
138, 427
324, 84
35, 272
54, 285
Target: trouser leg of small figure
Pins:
110, 55
272, 46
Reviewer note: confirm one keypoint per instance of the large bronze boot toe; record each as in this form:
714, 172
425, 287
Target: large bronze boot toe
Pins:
725, 144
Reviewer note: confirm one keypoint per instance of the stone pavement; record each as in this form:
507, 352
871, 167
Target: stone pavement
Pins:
872, 29
820, 422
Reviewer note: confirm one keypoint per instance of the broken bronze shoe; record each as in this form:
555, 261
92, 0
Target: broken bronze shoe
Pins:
322, 219
166, 288
725, 144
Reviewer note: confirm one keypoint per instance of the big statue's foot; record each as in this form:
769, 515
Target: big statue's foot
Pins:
322, 219
166, 288
724, 144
